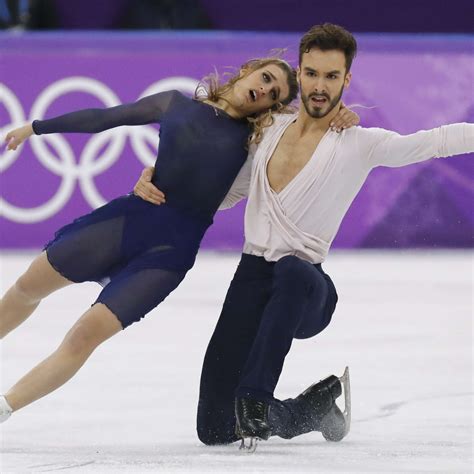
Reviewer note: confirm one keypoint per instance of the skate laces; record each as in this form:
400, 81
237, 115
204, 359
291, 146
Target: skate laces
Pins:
254, 409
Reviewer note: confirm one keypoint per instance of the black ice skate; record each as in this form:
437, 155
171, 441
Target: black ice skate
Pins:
251, 422
324, 414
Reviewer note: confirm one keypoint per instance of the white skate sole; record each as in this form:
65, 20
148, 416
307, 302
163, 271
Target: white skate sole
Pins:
347, 412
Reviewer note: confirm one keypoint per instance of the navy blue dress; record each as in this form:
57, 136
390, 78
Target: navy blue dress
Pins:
139, 251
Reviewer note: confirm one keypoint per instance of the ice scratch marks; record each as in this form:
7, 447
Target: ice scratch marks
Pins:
391, 409
386, 410
60, 467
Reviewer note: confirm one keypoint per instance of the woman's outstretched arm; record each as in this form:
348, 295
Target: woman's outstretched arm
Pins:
147, 110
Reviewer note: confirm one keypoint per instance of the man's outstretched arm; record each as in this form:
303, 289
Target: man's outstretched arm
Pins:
394, 150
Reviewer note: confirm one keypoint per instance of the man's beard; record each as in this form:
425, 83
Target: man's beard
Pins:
318, 113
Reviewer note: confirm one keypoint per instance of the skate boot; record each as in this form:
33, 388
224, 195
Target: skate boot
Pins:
5, 409
251, 422
324, 415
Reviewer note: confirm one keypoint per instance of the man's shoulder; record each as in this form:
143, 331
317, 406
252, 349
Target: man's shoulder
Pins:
367, 133
359, 130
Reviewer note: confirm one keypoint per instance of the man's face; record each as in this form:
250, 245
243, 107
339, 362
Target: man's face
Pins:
322, 77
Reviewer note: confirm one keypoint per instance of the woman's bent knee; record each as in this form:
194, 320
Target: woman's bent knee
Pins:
80, 340
93, 328
26, 292
39, 281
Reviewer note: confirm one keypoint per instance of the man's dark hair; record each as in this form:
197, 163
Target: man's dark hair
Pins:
328, 36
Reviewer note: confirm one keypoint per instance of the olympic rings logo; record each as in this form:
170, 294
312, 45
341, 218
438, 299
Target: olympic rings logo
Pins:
91, 161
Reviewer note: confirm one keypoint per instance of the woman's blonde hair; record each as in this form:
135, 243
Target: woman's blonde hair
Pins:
210, 88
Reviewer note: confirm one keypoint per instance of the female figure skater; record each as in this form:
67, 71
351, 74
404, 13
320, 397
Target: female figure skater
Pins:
140, 250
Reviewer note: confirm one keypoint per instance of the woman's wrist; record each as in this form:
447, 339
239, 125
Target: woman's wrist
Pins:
34, 130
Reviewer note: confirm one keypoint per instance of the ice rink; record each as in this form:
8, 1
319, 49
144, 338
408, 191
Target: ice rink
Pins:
403, 324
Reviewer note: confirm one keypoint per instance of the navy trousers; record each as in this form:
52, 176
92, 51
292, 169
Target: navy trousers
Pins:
268, 304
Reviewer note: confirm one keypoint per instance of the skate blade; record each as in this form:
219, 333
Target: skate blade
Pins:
346, 384
248, 445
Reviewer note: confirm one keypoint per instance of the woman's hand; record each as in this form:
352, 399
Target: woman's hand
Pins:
345, 118
16, 137
146, 190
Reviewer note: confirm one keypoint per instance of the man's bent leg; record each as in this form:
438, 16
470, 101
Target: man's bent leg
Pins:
299, 292
312, 410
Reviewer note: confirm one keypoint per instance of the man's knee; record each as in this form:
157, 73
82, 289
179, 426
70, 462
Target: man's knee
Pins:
211, 437
295, 273
211, 433
215, 425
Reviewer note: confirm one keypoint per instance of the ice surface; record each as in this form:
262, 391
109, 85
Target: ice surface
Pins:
403, 325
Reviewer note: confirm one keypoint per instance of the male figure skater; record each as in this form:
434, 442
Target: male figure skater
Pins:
300, 184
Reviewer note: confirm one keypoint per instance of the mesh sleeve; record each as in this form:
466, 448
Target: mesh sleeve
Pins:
150, 109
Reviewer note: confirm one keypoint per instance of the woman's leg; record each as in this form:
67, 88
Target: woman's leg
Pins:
129, 296
93, 328
25, 295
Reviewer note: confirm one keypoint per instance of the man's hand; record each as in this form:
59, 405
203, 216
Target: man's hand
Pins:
146, 190
345, 118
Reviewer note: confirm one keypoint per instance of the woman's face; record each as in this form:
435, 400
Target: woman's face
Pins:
260, 90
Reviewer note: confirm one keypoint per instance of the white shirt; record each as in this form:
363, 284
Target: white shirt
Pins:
304, 217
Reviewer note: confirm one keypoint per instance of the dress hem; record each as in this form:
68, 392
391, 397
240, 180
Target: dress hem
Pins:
110, 309
57, 269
